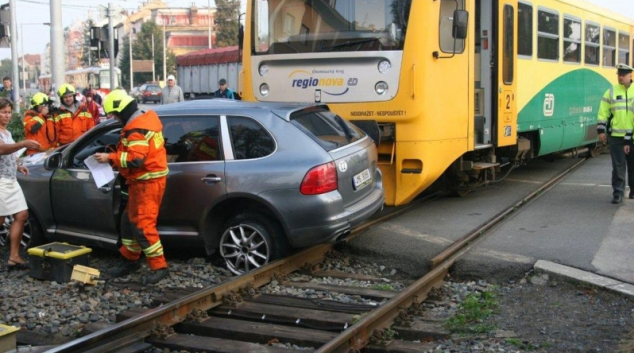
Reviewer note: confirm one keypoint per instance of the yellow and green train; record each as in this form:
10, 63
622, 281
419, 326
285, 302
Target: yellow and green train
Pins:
457, 88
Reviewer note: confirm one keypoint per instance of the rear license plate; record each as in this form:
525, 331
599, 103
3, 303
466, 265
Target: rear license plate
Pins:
154, 93
362, 179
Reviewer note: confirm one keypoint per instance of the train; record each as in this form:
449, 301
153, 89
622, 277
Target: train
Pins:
199, 71
456, 92
98, 77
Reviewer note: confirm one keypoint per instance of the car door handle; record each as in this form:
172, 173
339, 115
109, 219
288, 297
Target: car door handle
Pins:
105, 189
210, 179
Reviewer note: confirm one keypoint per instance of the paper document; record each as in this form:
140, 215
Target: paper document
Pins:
101, 172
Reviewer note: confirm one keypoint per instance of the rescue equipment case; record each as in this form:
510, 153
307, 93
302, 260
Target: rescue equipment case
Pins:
55, 261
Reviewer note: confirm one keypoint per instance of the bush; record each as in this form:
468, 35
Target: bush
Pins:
16, 127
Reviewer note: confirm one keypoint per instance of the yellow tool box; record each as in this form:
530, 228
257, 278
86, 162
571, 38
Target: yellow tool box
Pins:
55, 261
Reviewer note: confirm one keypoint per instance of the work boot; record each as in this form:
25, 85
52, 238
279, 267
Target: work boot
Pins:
156, 276
125, 269
617, 199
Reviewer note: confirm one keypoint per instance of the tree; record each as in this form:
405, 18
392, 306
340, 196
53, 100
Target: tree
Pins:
142, 50
227, 22
88, 57
6, 69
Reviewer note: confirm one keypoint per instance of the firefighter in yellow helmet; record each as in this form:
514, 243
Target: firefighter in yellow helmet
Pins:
72, 118
141, 159
39, 124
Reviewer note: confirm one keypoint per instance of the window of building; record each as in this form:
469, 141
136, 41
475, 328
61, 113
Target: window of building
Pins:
609, 47
624, 48
525, 29
592, 44
572, 39
548, 34
249, 139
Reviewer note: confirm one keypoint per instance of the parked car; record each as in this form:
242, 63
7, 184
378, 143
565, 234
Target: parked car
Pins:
135, 92
249, 180
150, 92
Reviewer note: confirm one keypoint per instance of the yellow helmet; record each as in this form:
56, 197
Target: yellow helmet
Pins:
116, 101
39, 99
65, 90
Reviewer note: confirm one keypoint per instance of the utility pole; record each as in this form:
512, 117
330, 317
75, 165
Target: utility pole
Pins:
153, 66
58, 66
131, 72
14, 58
209, 21
111, 50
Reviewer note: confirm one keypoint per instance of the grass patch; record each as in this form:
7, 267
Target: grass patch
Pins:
382, 286
472, 314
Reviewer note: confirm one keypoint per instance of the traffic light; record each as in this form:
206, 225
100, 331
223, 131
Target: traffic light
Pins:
99, 38
5, 26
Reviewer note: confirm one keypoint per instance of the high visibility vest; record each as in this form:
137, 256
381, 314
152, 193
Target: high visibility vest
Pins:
616, 112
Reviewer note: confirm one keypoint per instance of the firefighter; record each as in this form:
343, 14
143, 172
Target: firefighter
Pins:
72, 118
39, 124
142, 161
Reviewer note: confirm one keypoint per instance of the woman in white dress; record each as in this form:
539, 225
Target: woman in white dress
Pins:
12, 200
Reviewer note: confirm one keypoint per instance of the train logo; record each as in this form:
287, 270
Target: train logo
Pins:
549, 104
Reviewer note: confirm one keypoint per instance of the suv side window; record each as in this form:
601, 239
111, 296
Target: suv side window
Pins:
192, 139
249, 139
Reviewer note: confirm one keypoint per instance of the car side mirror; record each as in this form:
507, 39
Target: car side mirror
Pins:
53, 161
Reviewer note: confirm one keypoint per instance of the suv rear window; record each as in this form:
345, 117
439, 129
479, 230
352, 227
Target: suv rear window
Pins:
153, 88
328, 129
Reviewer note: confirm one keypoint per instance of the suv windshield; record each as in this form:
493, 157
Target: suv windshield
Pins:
305, 26
326, 128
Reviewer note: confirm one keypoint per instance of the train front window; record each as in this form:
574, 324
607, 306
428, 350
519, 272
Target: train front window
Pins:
104, 79
318, 26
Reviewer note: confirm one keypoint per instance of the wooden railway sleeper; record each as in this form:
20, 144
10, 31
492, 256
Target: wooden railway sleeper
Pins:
249, 291
417, 308
281, 278
163, 331
197, 315
382, 337
404, 319
232, 299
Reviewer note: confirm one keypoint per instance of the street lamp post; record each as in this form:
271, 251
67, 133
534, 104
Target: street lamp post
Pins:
22, 50
209, 21
164, 58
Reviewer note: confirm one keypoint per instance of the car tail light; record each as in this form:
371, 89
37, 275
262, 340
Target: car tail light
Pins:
320, 180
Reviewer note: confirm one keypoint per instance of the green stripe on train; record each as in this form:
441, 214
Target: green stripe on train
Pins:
564, 113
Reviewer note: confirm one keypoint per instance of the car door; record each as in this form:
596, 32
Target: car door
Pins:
82, 211
196, 178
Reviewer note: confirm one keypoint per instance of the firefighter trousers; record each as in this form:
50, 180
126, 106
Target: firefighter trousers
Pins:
138, 224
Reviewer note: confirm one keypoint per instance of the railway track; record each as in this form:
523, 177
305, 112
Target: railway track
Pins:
235, 316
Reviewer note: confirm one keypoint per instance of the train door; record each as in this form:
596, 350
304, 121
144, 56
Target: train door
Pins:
505, 73
483, 75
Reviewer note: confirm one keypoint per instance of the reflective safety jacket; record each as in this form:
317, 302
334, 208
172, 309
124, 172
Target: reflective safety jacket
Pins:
616, 112
40, 129
72, 123
141, 152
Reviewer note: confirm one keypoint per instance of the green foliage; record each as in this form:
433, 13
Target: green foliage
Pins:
227, 22
16, 127
142, 50
5, 68
382, 286
473, 313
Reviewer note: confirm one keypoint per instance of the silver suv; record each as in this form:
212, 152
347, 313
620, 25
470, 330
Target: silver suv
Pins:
250, 181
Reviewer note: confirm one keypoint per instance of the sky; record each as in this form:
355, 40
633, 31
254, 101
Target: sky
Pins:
36, 12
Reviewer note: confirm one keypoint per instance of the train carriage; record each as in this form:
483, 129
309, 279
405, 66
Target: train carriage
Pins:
98, 77
458, 88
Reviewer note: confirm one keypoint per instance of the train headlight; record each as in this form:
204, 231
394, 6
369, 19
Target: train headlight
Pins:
384, 66
264, 89
264, 69
381, 88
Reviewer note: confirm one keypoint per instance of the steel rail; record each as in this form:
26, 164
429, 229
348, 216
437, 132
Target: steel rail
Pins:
357, 336
139, 327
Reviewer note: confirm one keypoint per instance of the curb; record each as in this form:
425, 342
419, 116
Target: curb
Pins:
572, 273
